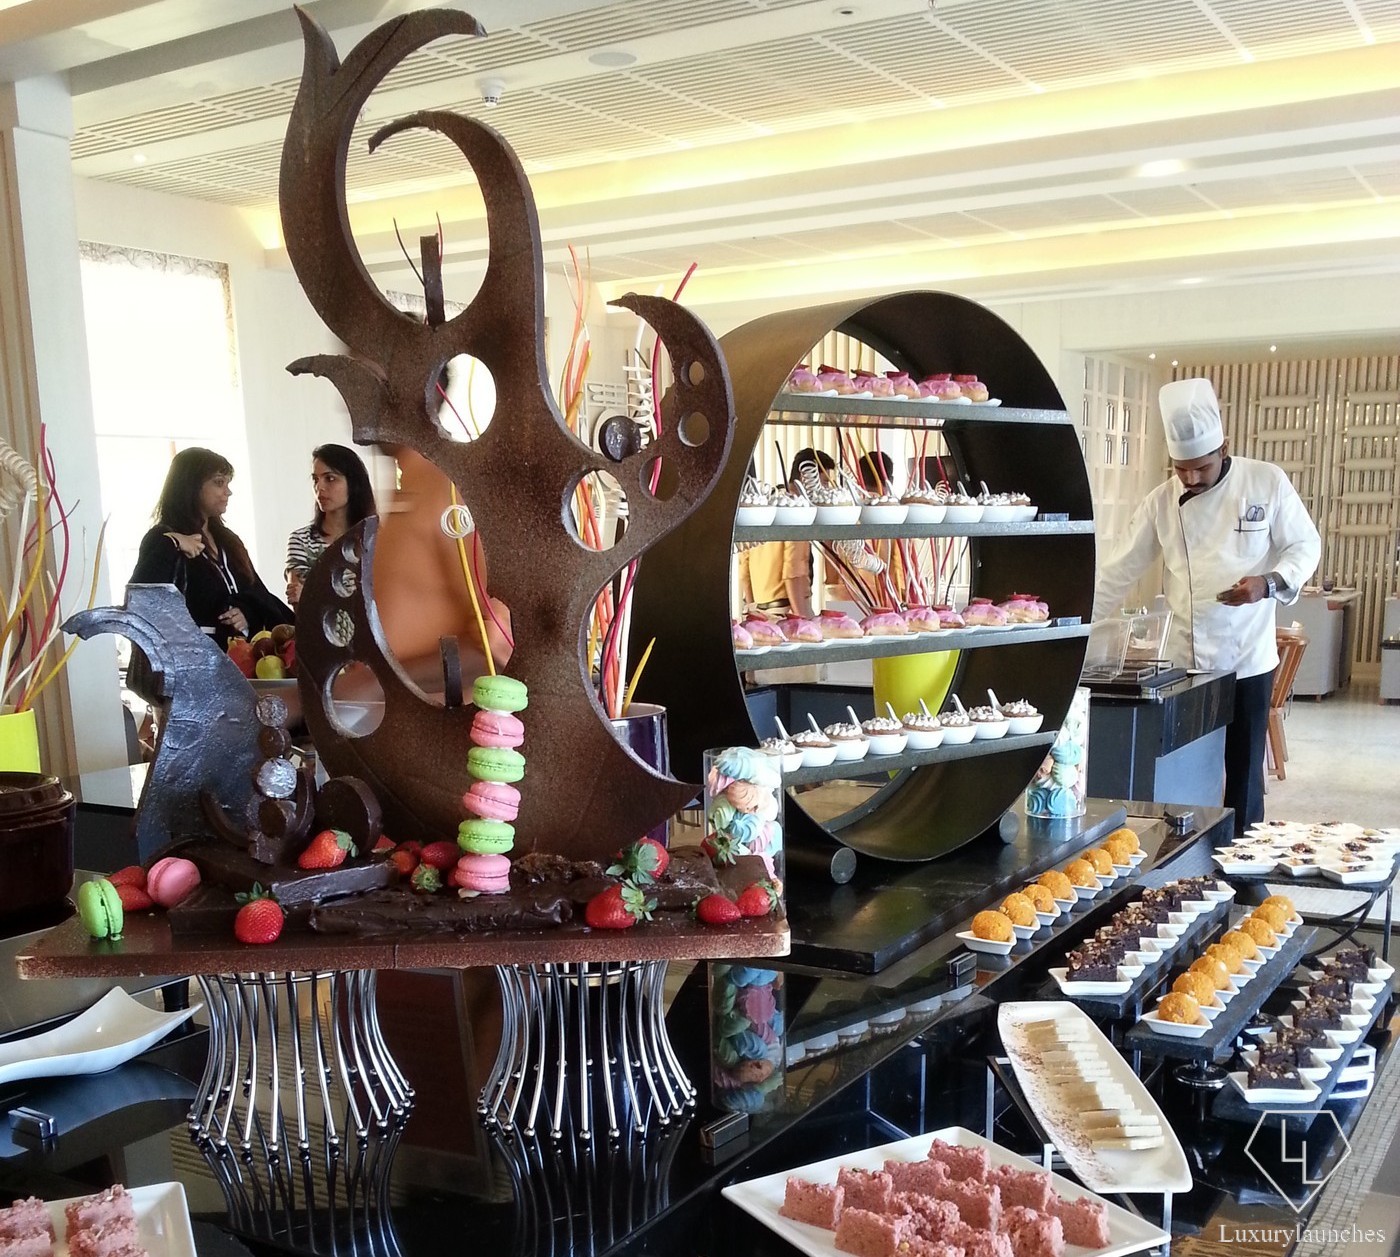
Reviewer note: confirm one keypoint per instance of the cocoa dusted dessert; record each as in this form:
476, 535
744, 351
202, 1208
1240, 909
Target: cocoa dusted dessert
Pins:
1303, 1038
1318, 1015
1276, 1078
1355, 962
1332, 986
1092, 965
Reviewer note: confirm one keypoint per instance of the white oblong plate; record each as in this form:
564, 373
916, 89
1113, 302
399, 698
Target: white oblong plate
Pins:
1086, 892
162, 1220
1047, 918
1025, 931
1275, 1095
1242, 868
1061, 976
990, 946
1065, 905
1175, 1028
110, 1033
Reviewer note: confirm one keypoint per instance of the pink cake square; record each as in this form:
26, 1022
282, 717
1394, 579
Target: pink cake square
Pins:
1033, 1234
866, 1189
24, 1217
916, 1176
1085, 1221
35, 1244
979, 1204
930, 1248
100, 1210
930, 1219
116, 1239
1030, 1188
868, 1234
961, 1162
979, 1243
817, 1203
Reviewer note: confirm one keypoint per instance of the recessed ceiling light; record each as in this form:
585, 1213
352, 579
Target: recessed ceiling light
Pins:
1175, 363
139, 158
1192, 279
1151, 357
1160, 168
612, 58
1273, 349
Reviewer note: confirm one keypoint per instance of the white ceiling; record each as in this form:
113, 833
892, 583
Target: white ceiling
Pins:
798, 149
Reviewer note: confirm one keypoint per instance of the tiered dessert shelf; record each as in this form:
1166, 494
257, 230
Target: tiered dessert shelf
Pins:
872, 764
1029, 444
839, 650
859, 532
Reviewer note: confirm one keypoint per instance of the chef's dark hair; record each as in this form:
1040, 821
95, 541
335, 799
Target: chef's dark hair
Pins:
177, 508
360, 504
875, 470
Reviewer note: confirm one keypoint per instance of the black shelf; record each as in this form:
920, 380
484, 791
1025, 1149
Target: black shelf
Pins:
847, 412
873, 765
877, 532
839, 650
1219, 1040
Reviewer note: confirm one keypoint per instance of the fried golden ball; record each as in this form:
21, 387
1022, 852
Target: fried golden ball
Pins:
1057, 884
1040, 896
1127, 836
1101, 860
1081, 873
1242, 943
1120, 851
1275, 917
1214, 968
1180, 1007
1227, 956
1020, 909
1197, 985
1284, 902
994, 926
1259, 931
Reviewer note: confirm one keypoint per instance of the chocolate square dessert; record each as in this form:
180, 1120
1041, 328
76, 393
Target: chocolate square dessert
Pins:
1317, 1016
1303, 1037
1092, 966
1333, 987
1276, 1077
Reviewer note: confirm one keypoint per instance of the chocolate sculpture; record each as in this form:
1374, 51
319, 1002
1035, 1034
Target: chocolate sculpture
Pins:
585, 793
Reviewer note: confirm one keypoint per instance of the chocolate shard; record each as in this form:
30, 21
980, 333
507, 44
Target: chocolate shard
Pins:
224, 866
401, 912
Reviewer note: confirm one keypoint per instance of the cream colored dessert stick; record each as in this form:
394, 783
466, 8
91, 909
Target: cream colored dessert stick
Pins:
1130, 1145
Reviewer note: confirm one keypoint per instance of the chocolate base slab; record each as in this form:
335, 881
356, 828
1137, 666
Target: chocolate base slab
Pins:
233, 869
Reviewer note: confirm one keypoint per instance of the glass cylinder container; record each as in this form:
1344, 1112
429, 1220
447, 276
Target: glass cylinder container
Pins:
747, 1043
744, 808
1060, 786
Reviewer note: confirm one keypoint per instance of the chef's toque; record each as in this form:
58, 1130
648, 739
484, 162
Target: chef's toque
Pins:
1191, 416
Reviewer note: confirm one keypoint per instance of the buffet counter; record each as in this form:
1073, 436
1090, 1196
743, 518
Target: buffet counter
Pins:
1165, 744
870, 1058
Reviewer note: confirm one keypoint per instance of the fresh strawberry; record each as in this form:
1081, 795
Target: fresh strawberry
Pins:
618, 908
426, 878
259, 920
404, 861
721, 848
758, 900
440, 855
133, 897
717, 910
327, 850
383, 844
413, 847
644, 862
132, 875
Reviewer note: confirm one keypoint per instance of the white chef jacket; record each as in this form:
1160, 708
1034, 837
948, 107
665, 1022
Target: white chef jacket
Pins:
1249, 523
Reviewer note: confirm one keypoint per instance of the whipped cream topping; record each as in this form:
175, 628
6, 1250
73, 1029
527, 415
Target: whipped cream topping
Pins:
777, 746
1019, 707
844, 731
953, 719
881, 724
810, 737
924, 724
986, 715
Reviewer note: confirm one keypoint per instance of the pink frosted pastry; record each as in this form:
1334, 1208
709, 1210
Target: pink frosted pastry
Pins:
497, 728
803, 380
492, 800
488, 874
904, 385
764, 632
796, 629
116, 1239
171, 881
922, 620
104, 1208
742, 638
837, 624
940, 387
972, 388
984, 612
30, 1244
875, 385
949, 618
836, 381
1026, 609
884, 624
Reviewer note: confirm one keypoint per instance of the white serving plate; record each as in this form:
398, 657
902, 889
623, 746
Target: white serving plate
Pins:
818, 756
1313, 1073
109, 1034
754, 516
1209, 1011
956, 514
1087, 892
959, 735
989, 730
987, 945
1242, 868
1357, 875
1048, 918
1296, 869
762, 1198
926, 512
1120, 987
1175, 1028
1066, 905
795, 516
1024, 931
998, 513
1107, 879
162, 1220
885, 514
1024, 726
1275, 1095
1153, 1170
846, 513
1024, 514
1221, 894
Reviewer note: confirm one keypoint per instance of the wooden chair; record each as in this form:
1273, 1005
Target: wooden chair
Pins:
1292, 642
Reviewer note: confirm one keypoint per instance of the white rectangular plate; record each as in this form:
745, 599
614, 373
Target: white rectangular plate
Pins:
1275, 1095
162, 1220
1161, 1169
763, 1197
1121, 987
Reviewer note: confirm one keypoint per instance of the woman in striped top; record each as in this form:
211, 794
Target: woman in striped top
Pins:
344, 497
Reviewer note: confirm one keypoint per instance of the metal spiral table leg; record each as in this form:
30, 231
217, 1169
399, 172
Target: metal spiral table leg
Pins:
583, 1044
301, 1108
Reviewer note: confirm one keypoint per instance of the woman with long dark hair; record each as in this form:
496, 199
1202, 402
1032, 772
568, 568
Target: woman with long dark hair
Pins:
344, 496
192, 548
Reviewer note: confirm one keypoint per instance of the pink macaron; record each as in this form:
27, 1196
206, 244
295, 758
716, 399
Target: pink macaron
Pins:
497, 728
171, 881
492, 800
489, 874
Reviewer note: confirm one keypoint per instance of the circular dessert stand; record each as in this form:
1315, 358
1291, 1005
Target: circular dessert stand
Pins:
583, 1044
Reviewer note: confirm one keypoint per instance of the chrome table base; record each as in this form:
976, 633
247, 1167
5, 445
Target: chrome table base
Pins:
584, 1045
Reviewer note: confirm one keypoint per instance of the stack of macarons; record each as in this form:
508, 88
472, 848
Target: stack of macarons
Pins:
492, 801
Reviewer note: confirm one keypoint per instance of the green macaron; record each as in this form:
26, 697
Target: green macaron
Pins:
500, 693
478, 836
495, 763
100, 908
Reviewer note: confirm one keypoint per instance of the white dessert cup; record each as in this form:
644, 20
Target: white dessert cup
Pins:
845, 513
887, 743
1023, 726
924, 739
926, 512
955, 513
958, 735
754, 516
883, 514
818, 756
987, 730
847, 752
795, 516
998, 513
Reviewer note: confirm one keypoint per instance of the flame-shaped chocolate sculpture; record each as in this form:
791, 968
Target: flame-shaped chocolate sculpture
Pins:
584, 793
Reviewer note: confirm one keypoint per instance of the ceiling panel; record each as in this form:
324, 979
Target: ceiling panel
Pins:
1162, 200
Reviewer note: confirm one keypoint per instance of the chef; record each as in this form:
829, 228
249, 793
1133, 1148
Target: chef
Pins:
1233, 537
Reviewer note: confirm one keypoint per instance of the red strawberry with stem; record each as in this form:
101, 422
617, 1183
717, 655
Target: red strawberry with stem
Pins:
721, 848
259, 920
717, 910
133, 897
327, 850
644, 862
618, 908
426, 878
132, 875
404, 861
758, 900
440, 855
